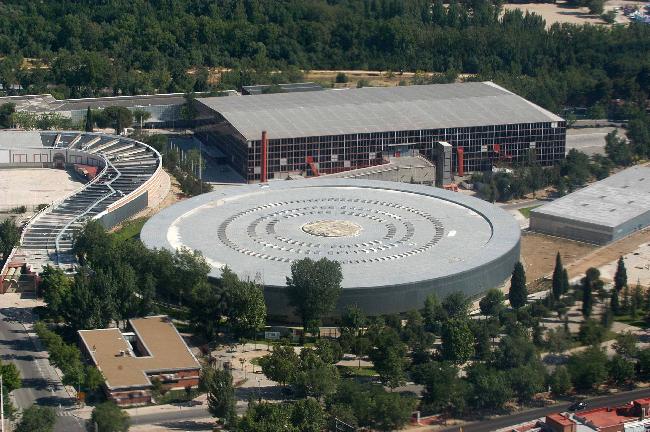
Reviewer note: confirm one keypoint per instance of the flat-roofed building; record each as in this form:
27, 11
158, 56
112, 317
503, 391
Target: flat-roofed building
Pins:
603, 212
130, 361
343, 129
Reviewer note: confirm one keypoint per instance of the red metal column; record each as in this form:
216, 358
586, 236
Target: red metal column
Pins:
461, 169
265, 144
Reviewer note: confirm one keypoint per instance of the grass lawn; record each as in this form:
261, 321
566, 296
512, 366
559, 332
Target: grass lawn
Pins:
627, 319
526, 211
130, 229
357, 372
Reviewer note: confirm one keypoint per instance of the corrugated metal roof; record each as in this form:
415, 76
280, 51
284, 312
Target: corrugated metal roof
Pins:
376, 109
609, 202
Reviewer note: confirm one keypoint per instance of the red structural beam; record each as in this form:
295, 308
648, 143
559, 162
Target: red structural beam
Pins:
265, 144
461, 169
312, 165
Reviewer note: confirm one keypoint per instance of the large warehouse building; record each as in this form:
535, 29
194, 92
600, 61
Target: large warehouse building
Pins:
338, 130
603, 212
396, 242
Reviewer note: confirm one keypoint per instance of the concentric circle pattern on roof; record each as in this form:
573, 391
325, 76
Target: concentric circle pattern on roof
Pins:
382, 233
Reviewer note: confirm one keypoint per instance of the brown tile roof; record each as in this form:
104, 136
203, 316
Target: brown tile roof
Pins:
167, 352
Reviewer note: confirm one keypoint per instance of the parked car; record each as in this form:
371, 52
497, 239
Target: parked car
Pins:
578, 406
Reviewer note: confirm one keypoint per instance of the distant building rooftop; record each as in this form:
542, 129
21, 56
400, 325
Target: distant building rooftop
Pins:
284, 88
126, 360
604, 418
47, 103
376, 109
609, 202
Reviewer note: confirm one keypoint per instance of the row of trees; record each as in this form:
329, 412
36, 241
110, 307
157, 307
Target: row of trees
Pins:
68, 359
185, 166
324, 398
88, 50
9, 238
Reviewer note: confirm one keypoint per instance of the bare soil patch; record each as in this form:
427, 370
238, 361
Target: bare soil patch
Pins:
538, 253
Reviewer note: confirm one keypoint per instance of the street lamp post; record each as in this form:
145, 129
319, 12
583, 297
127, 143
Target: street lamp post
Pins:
2, 405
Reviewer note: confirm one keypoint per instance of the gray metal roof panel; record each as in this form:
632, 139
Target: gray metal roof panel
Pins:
376, 109
609, 202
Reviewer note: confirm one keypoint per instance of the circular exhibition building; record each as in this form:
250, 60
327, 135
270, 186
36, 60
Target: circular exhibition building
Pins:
396, 242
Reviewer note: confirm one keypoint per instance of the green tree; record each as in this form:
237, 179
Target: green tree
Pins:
37, 419
620, 277
560, 381
313, 289
625, 344
189, 111
617, 149
6, 114
141, 116
614, 302
492, 303
267, 417
389, 357
591, 332
558, 340
119, 117
246, 306
353, 319
526, 381
10, 377
217, 383
328, 350
588, 369
489, 388
518, 291
391, 411
55, 286
515, 351
89, 126
643, 357
93, 378
108, 417
9, 238
590, 283
558, 284
596, 7
457, 341
456, 305
620, 369
314, 377
433, 313
444, 390
280, 364
307, 415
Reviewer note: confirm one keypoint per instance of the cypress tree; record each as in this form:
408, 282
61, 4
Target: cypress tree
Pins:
620, 278
588, 283
89, 120
614, 303
565, 281
518, 291
558, 273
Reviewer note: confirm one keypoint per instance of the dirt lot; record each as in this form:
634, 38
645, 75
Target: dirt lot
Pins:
561, 13
538, 253
609, 253
33, 186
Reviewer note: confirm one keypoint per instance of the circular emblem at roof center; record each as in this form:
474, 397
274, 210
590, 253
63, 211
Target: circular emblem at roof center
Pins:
332, 228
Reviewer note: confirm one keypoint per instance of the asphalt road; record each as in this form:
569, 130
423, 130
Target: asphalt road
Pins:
41, 384
179, 418
488, 425
590, 141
